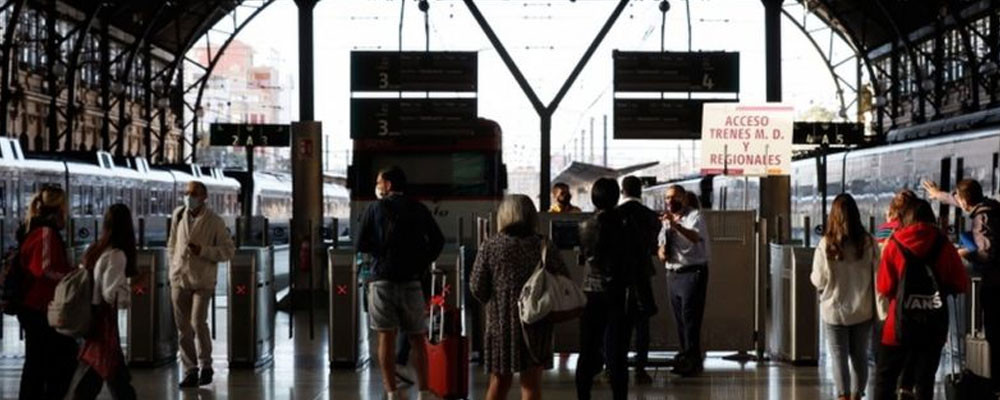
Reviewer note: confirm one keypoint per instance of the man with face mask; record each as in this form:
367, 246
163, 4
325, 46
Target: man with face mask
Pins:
403, 239
198, 242
684, 250
983, 256
562, 197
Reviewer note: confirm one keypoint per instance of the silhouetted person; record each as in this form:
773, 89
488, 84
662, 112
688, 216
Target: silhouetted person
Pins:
403, 239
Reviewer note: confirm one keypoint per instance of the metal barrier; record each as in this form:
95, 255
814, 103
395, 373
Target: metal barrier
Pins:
152, 335
729, 322
347, 320
793, 326
251, 308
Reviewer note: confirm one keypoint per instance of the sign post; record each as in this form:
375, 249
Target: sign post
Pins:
249, 136
747, 139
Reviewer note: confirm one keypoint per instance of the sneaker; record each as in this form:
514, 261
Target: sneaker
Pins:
426, 395
206, 376
190, 379
642, 378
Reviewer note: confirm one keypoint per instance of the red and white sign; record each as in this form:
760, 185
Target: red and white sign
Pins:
747, 139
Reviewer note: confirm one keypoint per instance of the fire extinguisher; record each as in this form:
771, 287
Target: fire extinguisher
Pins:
305, 256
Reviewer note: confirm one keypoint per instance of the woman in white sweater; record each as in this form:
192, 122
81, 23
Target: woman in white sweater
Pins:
111, 259
843, 272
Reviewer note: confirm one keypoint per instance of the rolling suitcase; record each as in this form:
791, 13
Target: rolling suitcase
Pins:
973, 382
447, 348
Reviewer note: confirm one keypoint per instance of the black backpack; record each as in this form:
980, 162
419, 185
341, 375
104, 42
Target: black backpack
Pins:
12, 282
921, 309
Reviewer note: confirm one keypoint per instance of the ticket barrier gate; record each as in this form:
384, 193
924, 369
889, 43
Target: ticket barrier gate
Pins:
349, 333
152, 335
348, 310
793, 326
251, 308
727, 325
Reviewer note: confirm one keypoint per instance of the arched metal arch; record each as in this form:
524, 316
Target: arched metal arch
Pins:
213, 58
827, 57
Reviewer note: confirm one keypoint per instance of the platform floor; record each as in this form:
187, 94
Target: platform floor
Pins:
300, 371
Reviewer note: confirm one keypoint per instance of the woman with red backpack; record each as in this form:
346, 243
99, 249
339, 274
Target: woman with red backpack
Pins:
111, 261
919, 268
48, 355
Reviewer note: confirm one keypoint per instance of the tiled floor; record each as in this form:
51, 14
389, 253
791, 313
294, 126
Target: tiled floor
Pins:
300, 371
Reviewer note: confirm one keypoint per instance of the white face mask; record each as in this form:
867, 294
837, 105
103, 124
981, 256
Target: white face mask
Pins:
192, 202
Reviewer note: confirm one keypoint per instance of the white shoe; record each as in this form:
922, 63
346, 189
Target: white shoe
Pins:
426, 395
396, 395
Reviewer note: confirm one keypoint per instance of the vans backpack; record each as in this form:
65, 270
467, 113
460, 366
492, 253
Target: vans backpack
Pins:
921, 310
70, 309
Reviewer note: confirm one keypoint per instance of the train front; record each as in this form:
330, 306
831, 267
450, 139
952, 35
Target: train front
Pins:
458, 174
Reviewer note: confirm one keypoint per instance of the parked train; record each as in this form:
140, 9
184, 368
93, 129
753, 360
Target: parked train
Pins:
95, 180
872, 175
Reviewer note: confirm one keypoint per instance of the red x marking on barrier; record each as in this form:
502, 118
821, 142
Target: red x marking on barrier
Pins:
138, 290
241, 289
341, 290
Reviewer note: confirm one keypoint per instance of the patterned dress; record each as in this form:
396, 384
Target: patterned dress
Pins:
503, 265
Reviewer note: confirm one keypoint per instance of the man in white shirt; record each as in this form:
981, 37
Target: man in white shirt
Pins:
198, 242
684, 249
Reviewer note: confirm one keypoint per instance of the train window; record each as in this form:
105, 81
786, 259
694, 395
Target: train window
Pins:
996, 165
3, 198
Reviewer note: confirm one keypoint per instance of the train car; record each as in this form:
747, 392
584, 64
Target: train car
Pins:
871, 175
458, 175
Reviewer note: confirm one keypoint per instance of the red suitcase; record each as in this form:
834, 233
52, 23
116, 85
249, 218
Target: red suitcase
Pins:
447, 349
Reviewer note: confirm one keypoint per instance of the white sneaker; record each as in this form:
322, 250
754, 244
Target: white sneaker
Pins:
426, 395
396, 395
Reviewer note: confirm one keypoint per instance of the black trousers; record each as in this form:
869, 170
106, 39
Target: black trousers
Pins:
990, 299
892, 360
49, 359
642, 306
604, 339
87, 384
687, 297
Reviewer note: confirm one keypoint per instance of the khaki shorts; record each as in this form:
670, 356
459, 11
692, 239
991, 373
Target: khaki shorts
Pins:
396, 306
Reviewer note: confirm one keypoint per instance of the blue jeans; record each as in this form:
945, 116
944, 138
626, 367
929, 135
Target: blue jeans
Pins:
849, 346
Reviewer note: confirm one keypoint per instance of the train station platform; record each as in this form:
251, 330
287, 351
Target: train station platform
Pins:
300, 372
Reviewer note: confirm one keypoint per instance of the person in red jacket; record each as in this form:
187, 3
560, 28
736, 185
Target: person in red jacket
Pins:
49, 357
918, 235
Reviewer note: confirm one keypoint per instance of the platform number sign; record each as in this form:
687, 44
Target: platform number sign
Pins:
250, 135
829, 133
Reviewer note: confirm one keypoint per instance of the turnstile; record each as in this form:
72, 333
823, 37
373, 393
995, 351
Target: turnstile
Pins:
348, 317
251, 308
348, 347
152, 336
793, 330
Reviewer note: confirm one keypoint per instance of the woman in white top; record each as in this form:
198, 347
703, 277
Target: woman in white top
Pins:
112, 261
843, 272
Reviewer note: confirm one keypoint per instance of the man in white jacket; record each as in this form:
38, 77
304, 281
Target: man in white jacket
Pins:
199, 241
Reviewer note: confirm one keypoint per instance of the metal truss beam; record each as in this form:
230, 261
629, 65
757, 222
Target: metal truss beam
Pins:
73, 64
214, 57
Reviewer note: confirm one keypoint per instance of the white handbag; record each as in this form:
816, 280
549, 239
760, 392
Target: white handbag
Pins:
548, 296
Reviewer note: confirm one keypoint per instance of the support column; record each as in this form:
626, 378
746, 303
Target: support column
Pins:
308, 253
775, 191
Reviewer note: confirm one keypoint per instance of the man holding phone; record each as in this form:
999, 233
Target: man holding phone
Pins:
198, 242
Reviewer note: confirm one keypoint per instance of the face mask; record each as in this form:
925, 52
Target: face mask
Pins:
192, 202
675, 206
379, 193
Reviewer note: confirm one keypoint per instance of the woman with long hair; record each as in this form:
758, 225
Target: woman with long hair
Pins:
111, 260
48, 355
844, 266
504, 264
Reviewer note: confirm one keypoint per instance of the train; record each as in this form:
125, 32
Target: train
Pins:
95, 180
872, 175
